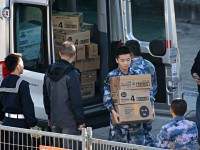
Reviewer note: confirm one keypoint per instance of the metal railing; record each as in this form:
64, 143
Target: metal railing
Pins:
12, 138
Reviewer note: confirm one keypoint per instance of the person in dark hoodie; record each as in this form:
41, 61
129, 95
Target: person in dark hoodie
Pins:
62, 94
195, 72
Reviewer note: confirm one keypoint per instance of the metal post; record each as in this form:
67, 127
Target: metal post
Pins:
84, 139
89, 138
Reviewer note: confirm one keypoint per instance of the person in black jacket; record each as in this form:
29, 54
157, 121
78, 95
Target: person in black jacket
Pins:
195, 72
16, 105
62, 95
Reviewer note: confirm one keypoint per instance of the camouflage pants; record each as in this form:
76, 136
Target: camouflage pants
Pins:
147, 126
132, 134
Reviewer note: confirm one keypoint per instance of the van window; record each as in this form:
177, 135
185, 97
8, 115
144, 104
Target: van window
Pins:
30, 30
148, 25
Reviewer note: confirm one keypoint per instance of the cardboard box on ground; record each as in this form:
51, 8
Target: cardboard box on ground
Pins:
67, 20
29, 40
131, 97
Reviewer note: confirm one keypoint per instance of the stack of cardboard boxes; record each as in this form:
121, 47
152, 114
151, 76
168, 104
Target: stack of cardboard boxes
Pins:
131, 98
69, 26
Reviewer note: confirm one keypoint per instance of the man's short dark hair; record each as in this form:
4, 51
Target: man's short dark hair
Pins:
134, 47
12, 60
179, 106
123, 50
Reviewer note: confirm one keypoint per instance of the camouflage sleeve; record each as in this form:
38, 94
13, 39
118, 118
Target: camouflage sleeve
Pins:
153, 90
107, 97
163, 139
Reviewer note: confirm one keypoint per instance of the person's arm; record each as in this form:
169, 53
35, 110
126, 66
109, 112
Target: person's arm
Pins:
73, 84
46, 100
2, 114
107, 100
154, 81
163, 139
27, 104
194, 69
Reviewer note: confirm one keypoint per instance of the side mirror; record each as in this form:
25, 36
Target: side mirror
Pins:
158, 47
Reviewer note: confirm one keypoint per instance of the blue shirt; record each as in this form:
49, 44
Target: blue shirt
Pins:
143, 66
179, 134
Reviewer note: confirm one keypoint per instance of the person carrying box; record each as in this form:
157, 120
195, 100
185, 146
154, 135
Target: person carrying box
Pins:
129, 133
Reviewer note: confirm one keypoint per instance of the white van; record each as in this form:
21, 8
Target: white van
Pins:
26, 27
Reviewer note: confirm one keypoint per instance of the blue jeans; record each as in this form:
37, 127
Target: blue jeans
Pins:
198, 116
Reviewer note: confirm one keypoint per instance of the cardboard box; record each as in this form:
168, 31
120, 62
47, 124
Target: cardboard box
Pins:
88, 90
92, 50
67, 20
88, 76
56, 50
130, 96
77, 37
135, 113
88, 26
80, 52
130, 82
79, 65
29, 34
30, 52
91, 64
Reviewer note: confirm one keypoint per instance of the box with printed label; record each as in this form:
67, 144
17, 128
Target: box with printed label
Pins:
67, 20
130, 82
30, 52
88, 76
92, 50
80, 52
79, 65
130, 96
88, 90
135, 113
77, 37
91, 64
29, 34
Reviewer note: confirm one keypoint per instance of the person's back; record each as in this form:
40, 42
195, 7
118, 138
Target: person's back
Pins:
143, 66
16, 105
180, 133
58, 79
62, 95
16, 101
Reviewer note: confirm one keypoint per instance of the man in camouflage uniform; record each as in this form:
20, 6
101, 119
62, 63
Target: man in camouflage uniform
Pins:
132, 133
143, 66
180, 133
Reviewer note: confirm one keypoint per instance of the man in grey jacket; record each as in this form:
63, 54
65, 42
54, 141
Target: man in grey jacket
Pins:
62, 94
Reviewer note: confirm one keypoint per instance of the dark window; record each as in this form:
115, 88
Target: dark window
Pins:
148, 20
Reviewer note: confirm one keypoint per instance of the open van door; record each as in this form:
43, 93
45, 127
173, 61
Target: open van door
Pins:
30, 34
152, 23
